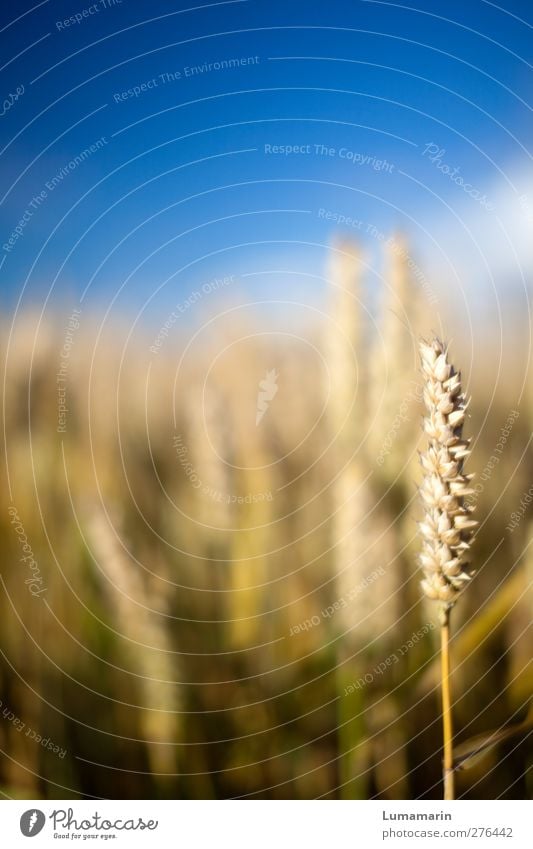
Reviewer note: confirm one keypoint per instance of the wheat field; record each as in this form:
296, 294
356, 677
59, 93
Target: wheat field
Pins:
210, 585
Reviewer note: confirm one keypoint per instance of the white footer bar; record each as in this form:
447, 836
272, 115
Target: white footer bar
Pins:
267, 824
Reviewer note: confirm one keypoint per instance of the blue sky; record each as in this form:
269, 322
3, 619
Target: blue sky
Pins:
314, 111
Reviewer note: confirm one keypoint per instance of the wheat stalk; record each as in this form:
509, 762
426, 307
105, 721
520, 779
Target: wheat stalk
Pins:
363, 534
146, 642
448, 527
344, 340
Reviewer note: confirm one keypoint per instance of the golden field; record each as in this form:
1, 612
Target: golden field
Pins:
220, 594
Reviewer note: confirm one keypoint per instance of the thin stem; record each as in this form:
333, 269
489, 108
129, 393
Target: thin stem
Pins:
446, 704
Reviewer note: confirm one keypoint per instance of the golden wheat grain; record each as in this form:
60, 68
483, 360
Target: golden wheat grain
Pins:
448, 527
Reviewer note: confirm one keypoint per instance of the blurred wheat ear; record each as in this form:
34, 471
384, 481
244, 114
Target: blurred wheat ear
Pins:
146, 641
448, 527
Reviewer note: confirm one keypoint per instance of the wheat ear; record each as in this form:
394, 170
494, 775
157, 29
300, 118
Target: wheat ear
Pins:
146, 643
448, 527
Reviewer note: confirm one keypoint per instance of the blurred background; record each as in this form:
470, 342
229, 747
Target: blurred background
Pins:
224, 230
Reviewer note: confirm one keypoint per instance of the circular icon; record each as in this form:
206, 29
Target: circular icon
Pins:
32, 822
